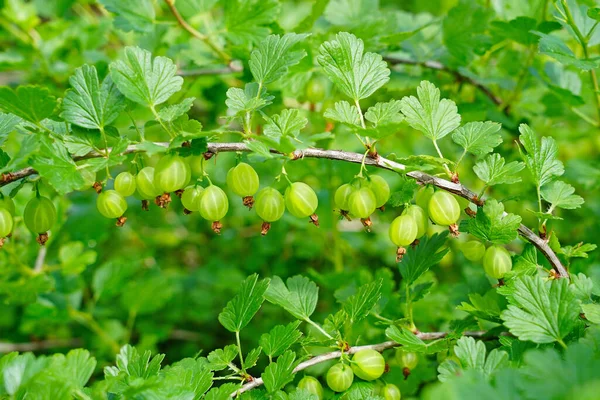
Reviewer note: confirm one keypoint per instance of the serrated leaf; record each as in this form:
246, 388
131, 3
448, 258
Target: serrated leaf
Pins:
560, 194
252, 358
280, 373
411, 343
259, 148
404, 193
359, 305
556, 48
483, 307
543, 312
246, 21
582, 287
145, 80
273, 57
132, 15
591, 312
222, 392
246, 303
385, 113
472, 357
32, 103
171, 113
418, 259
343, 112
280, 338
220, 359
135, 365
541, 157
350, 13
578, 251
54, 163
247, 100
288, 123
428, 114
90, 104
8, 122
478, 138
490, 223
356, 73
74, 258
424, 163
492, 170
299, 297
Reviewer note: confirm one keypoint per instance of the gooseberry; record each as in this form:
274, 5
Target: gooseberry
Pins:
420, 216
6, 223
339, 377
473, 250
269, 204
443, 208
300, 200
39, 214
145, 184
342, 195
391, 392
191, 197
171, 173
403, 230
362, 202
368, 364
213, 203
497, 262
111, 204
312, 386
380, 189
125, 184
243, 180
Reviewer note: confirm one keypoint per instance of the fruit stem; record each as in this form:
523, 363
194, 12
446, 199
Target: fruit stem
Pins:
313, 323
442, 156
160, 121
106, 155
239, 346
409, 313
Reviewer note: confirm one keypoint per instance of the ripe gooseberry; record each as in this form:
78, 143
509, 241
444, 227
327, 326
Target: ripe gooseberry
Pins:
420, 216
423, 196
408, 359
473, 250
144, 182
7, 203
214, 206
443, 208
191, 198
6, 223
339, 377
368, 364
380, 189
269, 206
171, 173
312, 386
342, 195
391, 392
315, 90
403, 230
301, 200
497, 262
40, 216
362, 202
111, 204
125, 184
243, 180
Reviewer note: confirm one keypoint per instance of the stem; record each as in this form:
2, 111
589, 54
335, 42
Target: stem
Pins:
239, 346
442, 156
160, 121
313, 323
409, 313
106, 151
459, 160
584, 117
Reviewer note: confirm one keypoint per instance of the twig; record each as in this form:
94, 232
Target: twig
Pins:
337, 354
232, 68
6, 347
357, 158
441, 67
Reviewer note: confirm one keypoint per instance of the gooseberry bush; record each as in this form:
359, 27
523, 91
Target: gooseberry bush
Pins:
303, 200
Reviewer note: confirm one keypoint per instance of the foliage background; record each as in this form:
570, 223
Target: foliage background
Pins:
161, 281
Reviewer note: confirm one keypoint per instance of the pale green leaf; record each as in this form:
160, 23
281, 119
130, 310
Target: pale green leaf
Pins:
561, 195
541, 158
241, 101
472, 357
385, 113
171, 113
273, 57
246, 303
299, 298
359, 305
8, 122
556, 48
280, 338
32, 103
132, 15
54, 163
343, 112
591, 312
493, 225
288, 123
220, 359
493, 170
478, 138
247, 21
280, 373
411, 343
418, 259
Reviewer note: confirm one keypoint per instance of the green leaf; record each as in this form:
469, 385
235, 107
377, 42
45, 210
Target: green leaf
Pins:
343, 112
90, 104
543, 312
74, 258
8, 122
350, 13
411, 343
493, 171
360, 304
541, 158
385, 113
280, 338
591, 312
252, 358
221, 358
560, 195
54, 163
404, 194
145, 80
273, 57
131, 363
594, 13
247, 100
472, 356
556, 48
280, 373
32, 103
171, 113
418, 259
246, 303
478, 138
222, 392
356, 73
132, 15
246, 21
518, 29
483, 307
299, 298
189, 376
578, 251
286, 124
493, 225
582, 287
259, 148
428, 114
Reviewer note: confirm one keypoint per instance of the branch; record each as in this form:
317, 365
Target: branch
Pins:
459, 76
337, 354
356, 158
232, 68
6, 347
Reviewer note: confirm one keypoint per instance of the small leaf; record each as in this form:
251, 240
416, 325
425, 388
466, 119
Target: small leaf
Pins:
343, 112
541, 158
145, 80
411, 343
280, 338
54, 163
241, 101
560, 194
221, 358
132, 15
356, 73
8, 122
89, 104
591, 312
472, 356
280, 373
299, 298
580, 250
32, 103
490, 223
418, 259
171, 113
246, 303
252, 358
246, 21
428, 114
273, 57
478, 138
385, 113
404, 193
288, 123
493, 171
135, 365
556, 48
360, 304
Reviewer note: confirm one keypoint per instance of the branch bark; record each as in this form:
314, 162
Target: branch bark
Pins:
337, 354
459, 76
356, 158
6, 347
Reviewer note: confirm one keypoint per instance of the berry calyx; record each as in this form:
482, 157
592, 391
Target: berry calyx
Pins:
339, 377
111, 204
301, 200
312, 386
270, 206
497, 262
408, 359
125, 184
368, 364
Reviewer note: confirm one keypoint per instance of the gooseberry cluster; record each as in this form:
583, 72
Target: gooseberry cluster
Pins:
496, 259
39, 216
